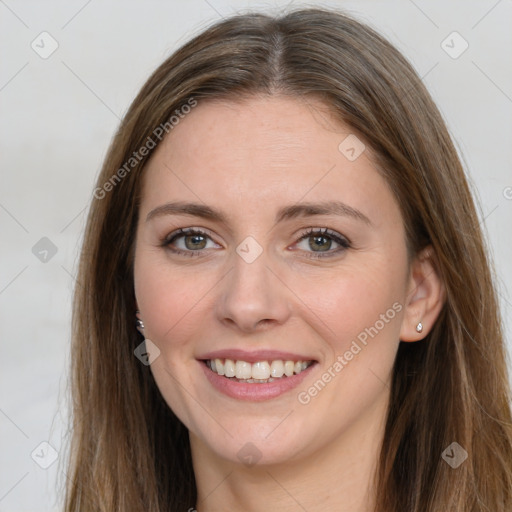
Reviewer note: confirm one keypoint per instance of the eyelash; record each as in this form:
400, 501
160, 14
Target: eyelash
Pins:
343, 242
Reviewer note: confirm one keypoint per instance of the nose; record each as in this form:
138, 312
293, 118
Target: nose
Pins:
252, 297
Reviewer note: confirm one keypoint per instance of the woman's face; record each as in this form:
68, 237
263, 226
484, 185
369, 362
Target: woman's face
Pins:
268, 242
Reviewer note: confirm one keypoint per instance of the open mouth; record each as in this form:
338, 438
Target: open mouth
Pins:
260, 372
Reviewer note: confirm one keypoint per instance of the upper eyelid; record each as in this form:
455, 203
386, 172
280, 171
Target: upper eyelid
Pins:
177, 233
324, 231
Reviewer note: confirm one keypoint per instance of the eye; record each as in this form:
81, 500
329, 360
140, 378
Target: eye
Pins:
323, 242
189, 241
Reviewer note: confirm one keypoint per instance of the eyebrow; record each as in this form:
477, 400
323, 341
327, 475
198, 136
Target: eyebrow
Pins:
288, 212
325, 208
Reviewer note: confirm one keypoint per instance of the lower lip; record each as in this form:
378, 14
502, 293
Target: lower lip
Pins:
255, 392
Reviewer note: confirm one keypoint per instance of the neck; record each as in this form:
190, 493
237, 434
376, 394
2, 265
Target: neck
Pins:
338, 477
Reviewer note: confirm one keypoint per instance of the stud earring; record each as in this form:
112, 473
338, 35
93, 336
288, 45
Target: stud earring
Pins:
139, 324
419, 327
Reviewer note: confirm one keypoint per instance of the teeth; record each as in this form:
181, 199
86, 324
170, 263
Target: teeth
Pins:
219, 367
259, 372
289, 366
242, 370
229, 368
277, 369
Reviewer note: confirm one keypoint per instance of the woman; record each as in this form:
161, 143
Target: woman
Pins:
284, 296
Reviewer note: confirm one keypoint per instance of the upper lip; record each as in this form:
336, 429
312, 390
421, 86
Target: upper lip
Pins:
254, 356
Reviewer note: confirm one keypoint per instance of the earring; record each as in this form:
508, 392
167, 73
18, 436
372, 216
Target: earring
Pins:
419, 327
139, 324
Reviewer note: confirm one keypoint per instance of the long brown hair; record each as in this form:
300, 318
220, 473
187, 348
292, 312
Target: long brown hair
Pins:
128, 451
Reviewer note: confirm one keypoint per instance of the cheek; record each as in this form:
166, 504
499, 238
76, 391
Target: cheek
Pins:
347, 305
168, 303
176, 304
164, 299
358, 316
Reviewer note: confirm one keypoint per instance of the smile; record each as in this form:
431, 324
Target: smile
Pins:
260, 372
255, 376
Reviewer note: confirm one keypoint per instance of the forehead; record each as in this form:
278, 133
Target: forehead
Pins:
263, 150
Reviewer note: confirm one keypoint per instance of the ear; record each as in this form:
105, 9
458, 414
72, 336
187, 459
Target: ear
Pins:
425, 297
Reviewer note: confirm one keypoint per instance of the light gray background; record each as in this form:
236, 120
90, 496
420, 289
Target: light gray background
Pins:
59, 114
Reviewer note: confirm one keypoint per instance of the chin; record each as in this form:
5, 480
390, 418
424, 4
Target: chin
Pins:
262, 442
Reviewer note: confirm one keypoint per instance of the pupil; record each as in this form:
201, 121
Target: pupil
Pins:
320, 242
195, 242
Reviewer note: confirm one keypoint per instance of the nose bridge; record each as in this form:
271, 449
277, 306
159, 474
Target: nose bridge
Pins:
251, 294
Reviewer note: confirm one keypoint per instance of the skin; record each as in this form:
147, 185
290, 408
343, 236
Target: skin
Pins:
248, 159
